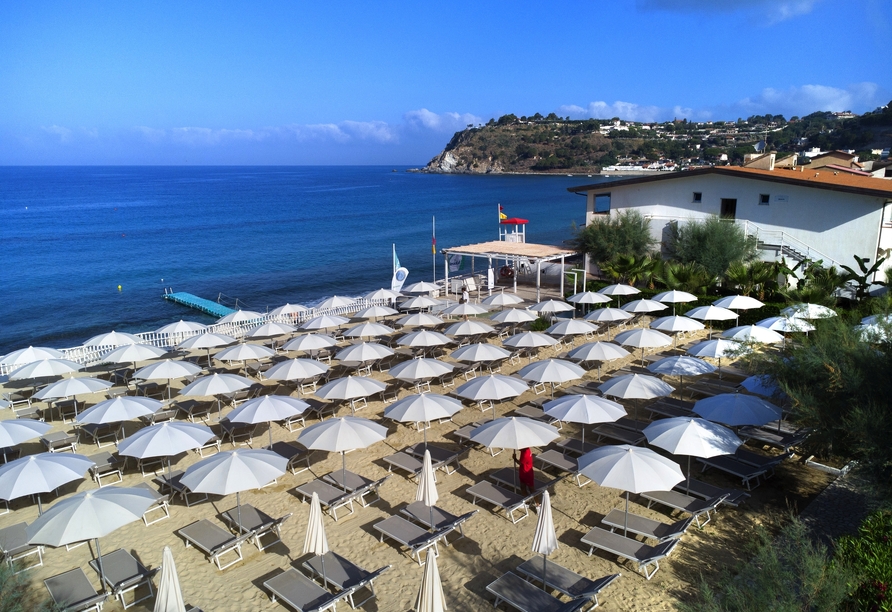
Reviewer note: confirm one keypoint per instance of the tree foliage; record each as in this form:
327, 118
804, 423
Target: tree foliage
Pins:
713, 243
15, 595
626, 233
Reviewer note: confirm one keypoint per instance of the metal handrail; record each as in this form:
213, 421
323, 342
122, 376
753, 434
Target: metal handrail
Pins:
790, 241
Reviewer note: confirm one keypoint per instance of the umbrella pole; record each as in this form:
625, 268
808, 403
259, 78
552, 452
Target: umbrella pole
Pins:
101, 572
324, 578
626, 519
39, 506
544, 570
344, 470
689, 474
238, 510
270, 430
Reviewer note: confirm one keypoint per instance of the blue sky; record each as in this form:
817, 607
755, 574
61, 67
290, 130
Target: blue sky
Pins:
286, 82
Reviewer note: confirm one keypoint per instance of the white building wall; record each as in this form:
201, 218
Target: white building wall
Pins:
835, 225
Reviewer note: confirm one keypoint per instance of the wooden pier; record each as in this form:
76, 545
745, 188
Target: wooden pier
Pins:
192, 301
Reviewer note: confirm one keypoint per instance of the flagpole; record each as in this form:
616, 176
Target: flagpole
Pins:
393, 259
434, 247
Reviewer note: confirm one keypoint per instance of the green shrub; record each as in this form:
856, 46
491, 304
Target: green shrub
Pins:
626, 233
869, 554
713, 243
540, 324
15, 595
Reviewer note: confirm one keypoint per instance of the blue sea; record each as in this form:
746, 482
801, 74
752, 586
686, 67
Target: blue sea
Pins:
264, 235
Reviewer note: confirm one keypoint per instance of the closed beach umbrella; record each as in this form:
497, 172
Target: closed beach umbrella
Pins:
113, 338
268, 408
181, 327
117, 409
342, 434
681, 366
335, 301
270, 329
421, 301
206, 340
28, 355
430, 595
420, 369
644, 306
296, 369
551, 371
752, 333
364, 351
16, 431
324, 322
464, 310
315, 542
692, 437
369, 330
631, 469
808, 311
502, 299
735, 409
167, 369
584, 409
571, 327
642, 338
514, 315
419, 319
373, 312
240, 316
515, 433
545, 539
244, 352
310, 342
608, 316
169, 597
45, 368
598, 352
423, 338
90, 515
421, 287
235, 471
480, 352
589, 297
426, 492
41, 473
423, 408
552, 306
165, 440
494, 387
469, 328
350, 388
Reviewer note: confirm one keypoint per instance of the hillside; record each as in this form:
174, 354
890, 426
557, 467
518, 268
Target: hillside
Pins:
556, 145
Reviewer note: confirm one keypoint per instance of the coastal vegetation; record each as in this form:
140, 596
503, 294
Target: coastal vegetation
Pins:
712, 243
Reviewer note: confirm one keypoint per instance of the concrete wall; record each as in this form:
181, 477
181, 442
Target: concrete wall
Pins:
836, 225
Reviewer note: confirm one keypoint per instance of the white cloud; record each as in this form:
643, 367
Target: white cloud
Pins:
628, 111
806, 99
769, 11
445, 122
62, 133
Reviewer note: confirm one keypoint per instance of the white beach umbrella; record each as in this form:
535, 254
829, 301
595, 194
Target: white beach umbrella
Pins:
296, 369
309, 342
598, 352
165, 440
244, 351
752, 333
288, 309
589, 297
90, 515
551, 371
619, 289
674, 297
426, 492
808, 311
335, 301
631, 469
181, 327
735, 409
871, 333
552, 306
240, 316
711, 313
642, 338
430, 595
235, 471
373, 312
268, 408
421, 301
681, 366
786, 324
113, 338
168, 370
515, 433
342, 434
424, 338
206, 340
419, 319
369, 330
584, 409
131, 353
364, 351
421, 287
464, 310
41, 473
762, 384
324, 322
28, 355
423, 408
169, 597
692, 437
636, 386
315, 542
716, 349
70, 387
529, 340
545, 539
644, 306
493, 387
502, 299
676, 324
215, 385
514, 315
469, 328
877, 319
117, 409
270, 329
420, 369
16, 431
45, 368
571, 327
480, 352
608, 316
383, 294
738, 302
350, 388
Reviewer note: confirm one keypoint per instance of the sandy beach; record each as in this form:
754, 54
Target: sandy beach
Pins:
492, 546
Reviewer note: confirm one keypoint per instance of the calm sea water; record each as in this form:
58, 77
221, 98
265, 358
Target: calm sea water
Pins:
266, 236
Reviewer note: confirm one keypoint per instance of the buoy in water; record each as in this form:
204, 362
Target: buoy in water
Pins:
119, 287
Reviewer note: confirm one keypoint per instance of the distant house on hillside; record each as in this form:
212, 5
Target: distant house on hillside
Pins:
797, 214
834, 158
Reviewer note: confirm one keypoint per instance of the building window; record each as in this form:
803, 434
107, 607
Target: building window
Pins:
764, 198
602, 203
698, 197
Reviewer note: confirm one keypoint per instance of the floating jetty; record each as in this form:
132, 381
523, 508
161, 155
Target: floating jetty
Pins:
193, 301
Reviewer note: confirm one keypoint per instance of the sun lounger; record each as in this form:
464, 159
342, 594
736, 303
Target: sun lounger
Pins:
331, 497
10, 453
237, 433
440, 457
649, 528
406, 462
748, 474
293, 454
359, 485
507, 477
783, 441
685, 503
534, 412
302, 594
99, 432
704, 490
421, 514
344, 574
502, 498
173, 482
464, 436
58, 441
256, 523
631, 424
14, 547
620, 434
564, 581
161, 416
72, 591
667, 410
758, 460
162, 503
628, 548
410, 535
106, 465
123, 573
574, 446
193, 409
561, 462
520, 594
213, 541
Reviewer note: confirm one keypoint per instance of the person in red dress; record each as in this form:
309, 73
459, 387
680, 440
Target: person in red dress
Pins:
525, 472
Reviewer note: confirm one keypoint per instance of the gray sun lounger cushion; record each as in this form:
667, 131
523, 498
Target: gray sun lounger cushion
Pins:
256, 522
564, 581
704, 490
522, 595
442, 519
14, 546
72, 591
667, 410
784, 441
359, 486
162, 503
502, 498
106, 465
344, 574
574, 446
628, 548
213, 541
643, 526
405, 462
748, 474
302, 594
765, 462
293, 454
507, 477
173, 483
621, 434
410, 535
123, 573
440, 457
331, 497
563, 463
685, 503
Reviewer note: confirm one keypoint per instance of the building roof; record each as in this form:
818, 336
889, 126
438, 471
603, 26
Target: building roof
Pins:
821, 178
501, 248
